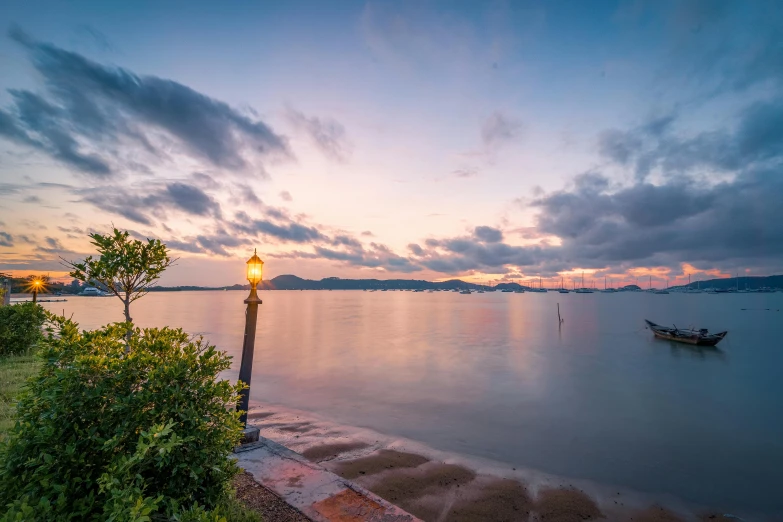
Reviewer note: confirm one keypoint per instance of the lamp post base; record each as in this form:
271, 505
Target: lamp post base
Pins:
250, 434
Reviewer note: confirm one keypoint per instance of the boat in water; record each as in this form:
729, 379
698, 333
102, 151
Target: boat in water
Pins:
92, 291
699, 337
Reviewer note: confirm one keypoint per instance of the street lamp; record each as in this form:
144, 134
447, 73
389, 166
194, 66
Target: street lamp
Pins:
254, 269
36, 284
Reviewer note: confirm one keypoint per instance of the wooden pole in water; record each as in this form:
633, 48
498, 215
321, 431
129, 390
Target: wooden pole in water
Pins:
559, 319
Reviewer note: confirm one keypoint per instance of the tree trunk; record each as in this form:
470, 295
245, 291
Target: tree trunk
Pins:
128, 321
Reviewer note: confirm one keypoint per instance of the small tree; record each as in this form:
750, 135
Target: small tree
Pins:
127, 267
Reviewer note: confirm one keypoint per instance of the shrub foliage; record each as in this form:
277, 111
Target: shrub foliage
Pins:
20, 327
102, 434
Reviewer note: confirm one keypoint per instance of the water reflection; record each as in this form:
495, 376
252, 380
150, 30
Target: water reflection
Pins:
696, 352
495, 375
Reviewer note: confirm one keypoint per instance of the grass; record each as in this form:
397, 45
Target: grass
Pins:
14, 371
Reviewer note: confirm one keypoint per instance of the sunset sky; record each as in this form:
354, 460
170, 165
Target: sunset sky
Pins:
426, 140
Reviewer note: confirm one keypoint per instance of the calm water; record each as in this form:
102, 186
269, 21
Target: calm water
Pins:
492, 375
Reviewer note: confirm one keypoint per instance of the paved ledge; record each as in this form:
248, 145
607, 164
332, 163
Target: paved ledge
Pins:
319, 494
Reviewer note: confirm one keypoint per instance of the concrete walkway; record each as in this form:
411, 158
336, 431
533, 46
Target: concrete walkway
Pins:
319, 494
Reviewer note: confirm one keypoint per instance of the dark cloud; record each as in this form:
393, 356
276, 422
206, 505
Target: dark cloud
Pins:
92, 109
139, 204
499, 129
6, 239
488, 234
216, 243
346, 240
52, 245
377, 256
190, 199
328, 134
460, 254
49, 123
731, 223
416, 249
10, 188
32, 199
184, 246
757, 137
204, 181
286, 232
286, 196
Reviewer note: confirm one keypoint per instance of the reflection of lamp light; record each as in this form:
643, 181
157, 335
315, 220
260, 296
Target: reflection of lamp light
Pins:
254, 271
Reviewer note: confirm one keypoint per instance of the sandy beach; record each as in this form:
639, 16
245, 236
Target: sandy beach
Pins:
442, 487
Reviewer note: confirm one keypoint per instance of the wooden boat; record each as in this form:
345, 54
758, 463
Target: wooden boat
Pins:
697, 337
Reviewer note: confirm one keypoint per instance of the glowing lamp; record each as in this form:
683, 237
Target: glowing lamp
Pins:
255, 268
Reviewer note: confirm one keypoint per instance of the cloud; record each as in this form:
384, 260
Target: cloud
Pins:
499, 129
377, 256
190, 199
287, 232
6, 239
757, 137
732, 223
204, 181
91, 111
327, 134
488, 234
461, 254
286, 196
688, 215
140, 203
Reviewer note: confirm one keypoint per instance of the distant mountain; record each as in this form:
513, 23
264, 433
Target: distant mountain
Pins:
292, 282
750, 283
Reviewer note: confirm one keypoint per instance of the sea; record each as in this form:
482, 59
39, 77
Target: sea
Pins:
498, 376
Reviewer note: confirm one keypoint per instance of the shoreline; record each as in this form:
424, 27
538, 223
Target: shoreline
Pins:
442, 486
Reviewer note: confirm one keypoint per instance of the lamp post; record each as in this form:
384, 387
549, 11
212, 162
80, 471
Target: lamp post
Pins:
254, 269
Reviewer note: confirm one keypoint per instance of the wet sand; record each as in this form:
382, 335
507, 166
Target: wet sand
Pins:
441, 487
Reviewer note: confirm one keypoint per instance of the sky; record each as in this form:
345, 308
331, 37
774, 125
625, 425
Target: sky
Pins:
490, 141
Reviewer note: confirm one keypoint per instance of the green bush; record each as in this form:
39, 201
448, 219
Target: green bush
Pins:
105, 435
20, 327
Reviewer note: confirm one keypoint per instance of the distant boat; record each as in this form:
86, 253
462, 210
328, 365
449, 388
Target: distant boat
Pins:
507, 290
583, 290
519, 291
564, 291
92, 291
466, 291
660, 291
699, 337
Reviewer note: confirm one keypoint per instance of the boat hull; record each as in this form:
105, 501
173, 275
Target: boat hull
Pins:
685, 336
